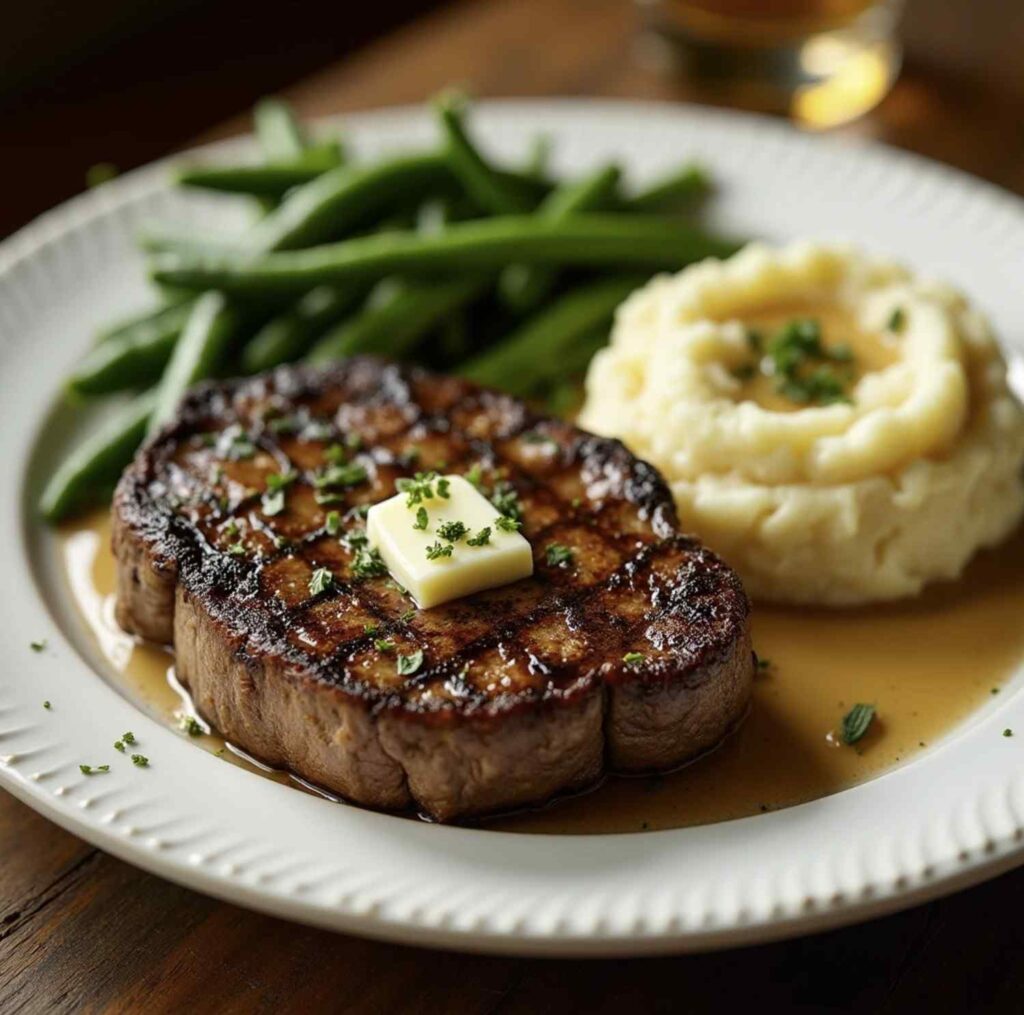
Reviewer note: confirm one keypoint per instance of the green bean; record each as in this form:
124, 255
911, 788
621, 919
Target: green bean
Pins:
199, 352
680, 189
86, 476
163, 237
324, 208
289, 335
90, 471
347, 197
278, 132
454, 340
271, 179
523, 288
391, 326
309, 212
479, 245
539, 155
577, 354
494, 193
156, 320
532, 355
134, 362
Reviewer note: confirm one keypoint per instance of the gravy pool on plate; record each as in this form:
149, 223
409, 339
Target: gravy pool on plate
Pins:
926, 664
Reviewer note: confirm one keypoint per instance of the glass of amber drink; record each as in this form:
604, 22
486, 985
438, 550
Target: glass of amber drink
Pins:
823, 62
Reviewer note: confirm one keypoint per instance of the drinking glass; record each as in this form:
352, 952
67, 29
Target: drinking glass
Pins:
823, 62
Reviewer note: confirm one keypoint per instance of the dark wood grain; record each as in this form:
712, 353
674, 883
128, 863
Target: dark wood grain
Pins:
82, 931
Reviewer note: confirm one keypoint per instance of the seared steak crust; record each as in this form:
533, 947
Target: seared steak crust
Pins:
523, 692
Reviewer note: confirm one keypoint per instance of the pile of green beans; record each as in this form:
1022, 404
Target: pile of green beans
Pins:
499, 273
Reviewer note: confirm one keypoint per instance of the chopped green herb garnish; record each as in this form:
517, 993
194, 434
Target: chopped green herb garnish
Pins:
452, 531
342, 474
279, 480
332, 523
633, 658
368, 563
93, 769
410, 663
437, 550
421, 519
47, 705
317, 430
822, 387
119, 746
284, 425
353, 441
1007, 732
795, 342
334, 454
407, 616
128, 738
190, 725
506, 500
443, 486
236, 549
140, 761
273, 503
558, 554
239, 445
231, 529
897, 320
320, 581
856, 723
507, 524
273, 498
418, 488
536, 437
38, 646
475, 476
384, 645
325, 499
482, 538
793, 348
355, 539
371, 629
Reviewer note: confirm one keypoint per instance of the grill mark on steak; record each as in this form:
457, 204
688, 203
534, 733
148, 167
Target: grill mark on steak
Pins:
505, 658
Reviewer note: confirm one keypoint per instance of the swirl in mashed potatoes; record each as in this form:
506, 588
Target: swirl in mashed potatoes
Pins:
883, 461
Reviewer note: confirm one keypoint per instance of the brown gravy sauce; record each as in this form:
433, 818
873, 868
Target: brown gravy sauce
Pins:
926, 665
839, 327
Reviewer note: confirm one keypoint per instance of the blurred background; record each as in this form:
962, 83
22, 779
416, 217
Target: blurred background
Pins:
119, 82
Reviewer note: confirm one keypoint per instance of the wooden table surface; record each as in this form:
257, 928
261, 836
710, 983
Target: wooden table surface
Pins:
80, 930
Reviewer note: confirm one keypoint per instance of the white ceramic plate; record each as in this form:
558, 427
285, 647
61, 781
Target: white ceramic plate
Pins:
952, 816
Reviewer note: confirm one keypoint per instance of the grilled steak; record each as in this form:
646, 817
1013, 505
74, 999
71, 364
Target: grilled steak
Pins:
632, 655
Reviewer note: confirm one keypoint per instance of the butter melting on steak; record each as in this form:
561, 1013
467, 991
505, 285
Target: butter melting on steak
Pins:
630, 654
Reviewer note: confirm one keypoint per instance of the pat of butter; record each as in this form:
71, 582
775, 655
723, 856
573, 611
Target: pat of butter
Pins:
505, 557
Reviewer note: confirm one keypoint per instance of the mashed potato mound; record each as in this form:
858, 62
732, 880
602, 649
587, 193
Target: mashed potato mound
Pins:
859, 500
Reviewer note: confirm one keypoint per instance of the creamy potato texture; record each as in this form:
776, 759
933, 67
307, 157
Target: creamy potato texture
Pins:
885, 463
